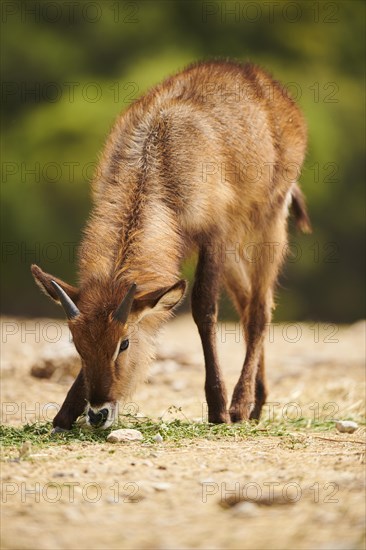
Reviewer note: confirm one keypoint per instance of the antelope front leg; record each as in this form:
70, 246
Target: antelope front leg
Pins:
204, 309
260, 389
250, 393
73, 406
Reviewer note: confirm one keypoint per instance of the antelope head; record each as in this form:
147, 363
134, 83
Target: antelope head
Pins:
113, 328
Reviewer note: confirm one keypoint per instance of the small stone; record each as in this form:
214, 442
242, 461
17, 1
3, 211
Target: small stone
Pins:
122, 435
44, 370
161, 486
346, 426
178, 385
245, 509
278, 498
158, 438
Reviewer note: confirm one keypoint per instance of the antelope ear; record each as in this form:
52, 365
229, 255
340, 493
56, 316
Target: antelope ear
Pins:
160, 300
43, 280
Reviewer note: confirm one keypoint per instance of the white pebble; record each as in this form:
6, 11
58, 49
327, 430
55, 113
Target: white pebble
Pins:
178, 385
245, 509
158, 438
118, 436
346, 426
161, 486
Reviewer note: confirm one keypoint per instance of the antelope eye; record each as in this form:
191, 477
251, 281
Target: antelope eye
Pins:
124, 345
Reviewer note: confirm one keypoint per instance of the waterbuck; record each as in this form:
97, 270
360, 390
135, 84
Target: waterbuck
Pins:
207, 160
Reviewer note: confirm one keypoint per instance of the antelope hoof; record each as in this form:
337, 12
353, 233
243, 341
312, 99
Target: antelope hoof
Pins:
219, 418
57, 430
241, 408
239, 413
255, 414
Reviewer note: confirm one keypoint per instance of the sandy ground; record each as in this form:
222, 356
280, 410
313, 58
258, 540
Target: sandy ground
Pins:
97, 496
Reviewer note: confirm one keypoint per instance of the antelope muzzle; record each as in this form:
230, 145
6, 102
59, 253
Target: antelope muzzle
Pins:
98, 419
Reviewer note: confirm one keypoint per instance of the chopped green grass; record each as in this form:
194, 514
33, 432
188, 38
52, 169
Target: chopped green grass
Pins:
175, 431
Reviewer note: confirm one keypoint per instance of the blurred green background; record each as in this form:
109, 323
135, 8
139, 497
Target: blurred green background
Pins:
69, 68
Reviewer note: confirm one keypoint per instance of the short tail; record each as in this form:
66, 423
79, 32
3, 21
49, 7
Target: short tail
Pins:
300, 211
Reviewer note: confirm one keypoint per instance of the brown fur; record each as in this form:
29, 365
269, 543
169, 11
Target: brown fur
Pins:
210, 159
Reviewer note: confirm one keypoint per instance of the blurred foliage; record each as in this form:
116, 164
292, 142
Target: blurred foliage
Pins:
68, 69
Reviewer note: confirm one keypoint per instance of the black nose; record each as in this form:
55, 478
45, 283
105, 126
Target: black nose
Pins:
97, 419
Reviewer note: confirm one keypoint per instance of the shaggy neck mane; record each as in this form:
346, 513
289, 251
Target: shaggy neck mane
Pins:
132, 235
